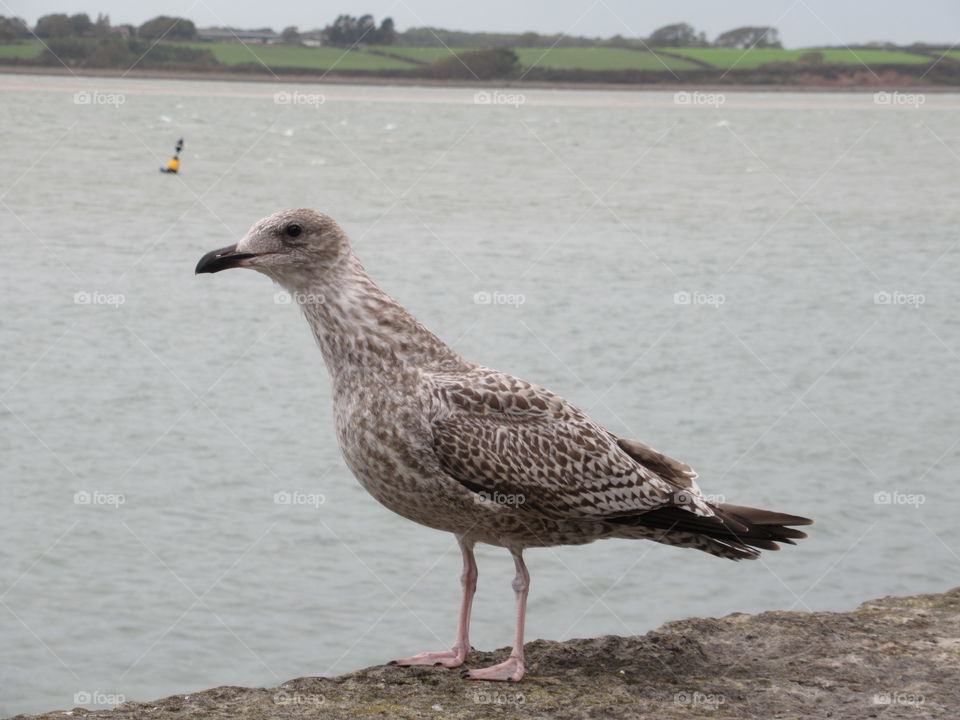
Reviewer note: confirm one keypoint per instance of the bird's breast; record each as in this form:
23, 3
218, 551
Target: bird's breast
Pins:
381, 431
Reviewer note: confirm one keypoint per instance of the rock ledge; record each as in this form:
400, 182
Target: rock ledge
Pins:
897, 657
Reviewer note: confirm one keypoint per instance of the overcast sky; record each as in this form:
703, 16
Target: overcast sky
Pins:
801, 22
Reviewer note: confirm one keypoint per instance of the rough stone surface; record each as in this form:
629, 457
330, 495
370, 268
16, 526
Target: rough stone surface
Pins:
889, 658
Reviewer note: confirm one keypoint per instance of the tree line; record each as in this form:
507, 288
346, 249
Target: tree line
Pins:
676, 35
363, 29
345, 30
349, 30
60, 25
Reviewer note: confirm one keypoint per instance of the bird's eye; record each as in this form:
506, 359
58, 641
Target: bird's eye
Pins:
293, 230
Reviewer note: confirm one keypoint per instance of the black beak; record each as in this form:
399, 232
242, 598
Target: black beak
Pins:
222, 259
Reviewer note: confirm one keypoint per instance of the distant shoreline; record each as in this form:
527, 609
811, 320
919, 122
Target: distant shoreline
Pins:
315, 79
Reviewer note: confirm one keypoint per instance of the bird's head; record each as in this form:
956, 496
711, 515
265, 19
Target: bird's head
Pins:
291, 246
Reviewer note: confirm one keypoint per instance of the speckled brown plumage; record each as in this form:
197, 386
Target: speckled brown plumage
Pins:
471, 450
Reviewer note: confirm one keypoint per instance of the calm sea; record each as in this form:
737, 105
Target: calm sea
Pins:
764, 285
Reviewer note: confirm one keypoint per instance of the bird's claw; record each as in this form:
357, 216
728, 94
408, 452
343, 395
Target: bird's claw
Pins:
511, 670
445, 658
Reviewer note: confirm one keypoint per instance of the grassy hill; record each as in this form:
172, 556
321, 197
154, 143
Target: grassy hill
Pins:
321, 58
398, 57
581, 64
26, 51
746, 59
389, 57
419, 55
599, 59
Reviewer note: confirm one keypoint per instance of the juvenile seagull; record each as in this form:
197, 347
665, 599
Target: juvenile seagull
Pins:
476, 452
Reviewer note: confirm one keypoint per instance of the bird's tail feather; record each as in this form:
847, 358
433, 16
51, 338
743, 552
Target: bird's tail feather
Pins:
734, 531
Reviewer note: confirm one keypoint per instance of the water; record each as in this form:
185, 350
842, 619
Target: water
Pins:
582, 215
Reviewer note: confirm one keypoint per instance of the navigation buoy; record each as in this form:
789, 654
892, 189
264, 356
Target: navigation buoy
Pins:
173, 164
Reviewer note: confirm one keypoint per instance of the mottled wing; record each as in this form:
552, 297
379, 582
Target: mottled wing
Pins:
679, 473
519, 444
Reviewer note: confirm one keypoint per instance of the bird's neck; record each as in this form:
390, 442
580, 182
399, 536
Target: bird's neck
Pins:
361, 330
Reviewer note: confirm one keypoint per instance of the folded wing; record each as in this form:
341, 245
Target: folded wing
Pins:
520, 444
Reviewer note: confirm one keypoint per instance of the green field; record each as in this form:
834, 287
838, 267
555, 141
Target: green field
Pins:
421, 54
588, 58
22, 52
322, 58
747, 59
576, 58
557, 58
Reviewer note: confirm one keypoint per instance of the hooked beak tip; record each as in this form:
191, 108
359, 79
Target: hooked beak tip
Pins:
222, 259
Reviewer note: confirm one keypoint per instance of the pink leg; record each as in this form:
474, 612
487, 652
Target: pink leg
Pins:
512, 668
461, 647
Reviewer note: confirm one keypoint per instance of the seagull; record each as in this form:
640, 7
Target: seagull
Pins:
470, 450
